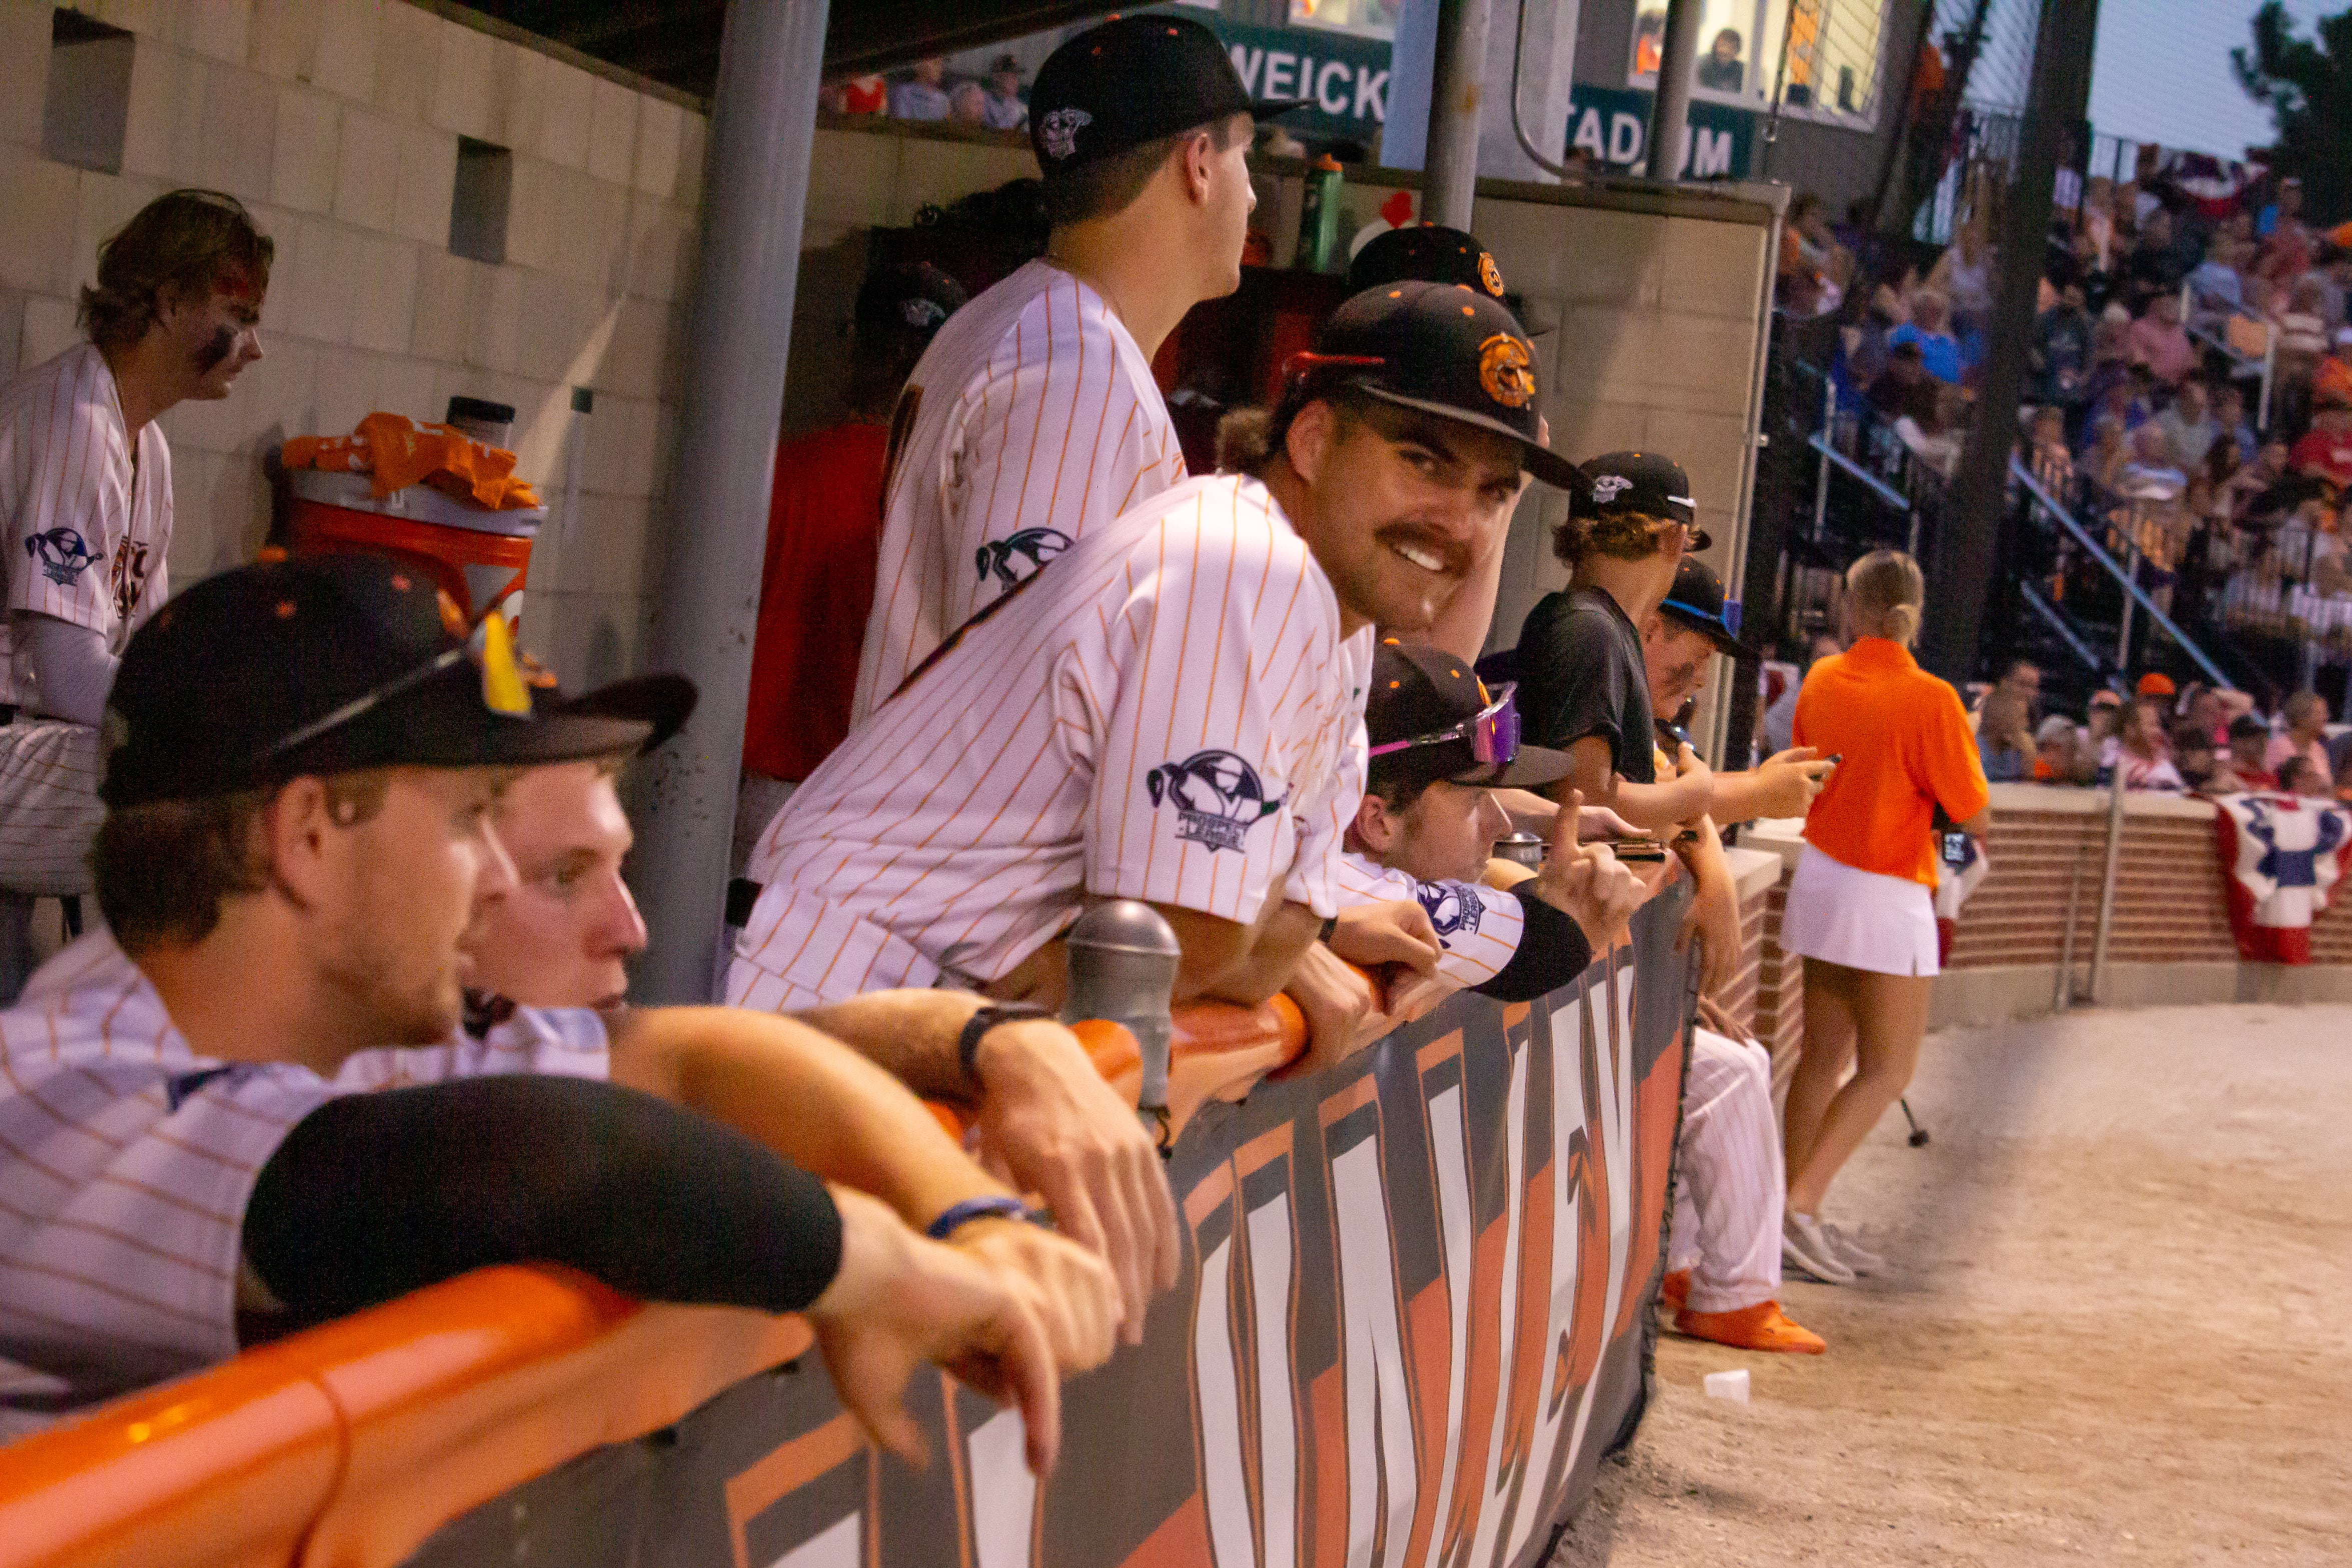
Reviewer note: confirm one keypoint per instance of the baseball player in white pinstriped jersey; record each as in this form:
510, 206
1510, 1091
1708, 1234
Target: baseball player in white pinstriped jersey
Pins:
85, 512
1033, 416
1166, 711
1440, 744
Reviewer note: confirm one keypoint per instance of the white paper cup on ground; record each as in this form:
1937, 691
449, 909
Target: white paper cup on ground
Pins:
1731, 1385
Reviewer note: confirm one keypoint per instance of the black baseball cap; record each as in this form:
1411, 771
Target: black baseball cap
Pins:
1646, 483
1420, 690
1430, 253
913, 298
1696, 602
661, 703
1134, 79
319, 664
1445, 348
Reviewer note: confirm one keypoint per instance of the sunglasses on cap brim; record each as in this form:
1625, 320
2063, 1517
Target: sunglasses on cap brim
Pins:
505, 689
1492, 732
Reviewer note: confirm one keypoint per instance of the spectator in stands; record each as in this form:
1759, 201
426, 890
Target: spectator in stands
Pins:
1813, 268
2046, 452
2152, 472
2300, 775
1929, 330
2202, 767
824, 517
1582, 674
1859, 905
2305, 735
1005, 110
2062, 350
2216, 284
922, 96
297, 857
1963, 276
2189, 426
2057, 756
173, 315
2286, 208
1723, 70
968, 104
2108, 453
2103, 722
563, 937
2250, 744
2005, 739
2144, 752
2153, 267
2287, 241
1904, 390
2159, 340
854, 95
2325, 451
1938, 442
2021, 683
2303, 340
2229, 418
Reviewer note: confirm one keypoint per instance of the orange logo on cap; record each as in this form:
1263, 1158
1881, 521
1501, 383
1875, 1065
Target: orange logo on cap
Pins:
1490, 274
1507, 372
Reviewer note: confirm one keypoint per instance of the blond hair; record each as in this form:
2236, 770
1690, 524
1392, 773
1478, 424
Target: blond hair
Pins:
1886, 590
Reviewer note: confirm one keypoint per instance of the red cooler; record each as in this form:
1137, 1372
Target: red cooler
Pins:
478, 555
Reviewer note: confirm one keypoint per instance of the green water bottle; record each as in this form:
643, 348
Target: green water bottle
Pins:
1318, 217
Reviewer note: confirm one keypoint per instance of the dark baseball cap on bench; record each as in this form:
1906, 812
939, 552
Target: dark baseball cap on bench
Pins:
1131, 80
323, 665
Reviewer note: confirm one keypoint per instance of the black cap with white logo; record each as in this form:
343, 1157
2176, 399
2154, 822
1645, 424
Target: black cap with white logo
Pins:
1132, 80
1444, 349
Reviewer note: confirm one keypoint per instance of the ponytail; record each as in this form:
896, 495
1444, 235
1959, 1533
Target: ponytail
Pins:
1886, 590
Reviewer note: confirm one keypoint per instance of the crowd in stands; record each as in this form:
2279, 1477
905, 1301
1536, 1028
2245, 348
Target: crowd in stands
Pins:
925, 91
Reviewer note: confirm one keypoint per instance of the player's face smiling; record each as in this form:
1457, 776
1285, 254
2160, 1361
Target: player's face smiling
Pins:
1405, 506
418, 878
563, 937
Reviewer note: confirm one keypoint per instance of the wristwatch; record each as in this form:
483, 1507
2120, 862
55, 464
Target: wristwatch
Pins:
976, 1027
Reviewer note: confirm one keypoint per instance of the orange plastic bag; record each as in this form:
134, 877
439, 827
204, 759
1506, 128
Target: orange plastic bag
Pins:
396, 452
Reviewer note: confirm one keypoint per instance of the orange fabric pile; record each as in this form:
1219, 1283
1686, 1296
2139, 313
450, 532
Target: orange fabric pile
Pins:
396, 452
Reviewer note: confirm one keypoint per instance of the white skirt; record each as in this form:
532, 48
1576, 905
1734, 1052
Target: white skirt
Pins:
1861, 919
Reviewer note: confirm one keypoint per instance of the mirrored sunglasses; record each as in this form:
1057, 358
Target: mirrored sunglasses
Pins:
1492, 732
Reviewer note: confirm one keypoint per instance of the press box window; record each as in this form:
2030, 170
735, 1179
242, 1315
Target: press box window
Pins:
478, 206
87, 98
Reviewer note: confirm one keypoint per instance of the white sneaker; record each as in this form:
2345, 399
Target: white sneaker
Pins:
1804, 1248
1851, 1253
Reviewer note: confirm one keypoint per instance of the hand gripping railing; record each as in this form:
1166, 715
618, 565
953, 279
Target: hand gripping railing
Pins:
2024, 475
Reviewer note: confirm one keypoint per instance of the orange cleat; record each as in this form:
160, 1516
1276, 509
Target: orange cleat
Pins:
1675, 1289
1760, 1327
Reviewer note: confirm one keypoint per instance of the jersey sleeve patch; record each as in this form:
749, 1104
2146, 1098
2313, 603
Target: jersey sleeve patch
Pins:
1217, 796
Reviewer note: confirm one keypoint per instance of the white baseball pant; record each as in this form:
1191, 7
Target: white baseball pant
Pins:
49, 810
1730, 1186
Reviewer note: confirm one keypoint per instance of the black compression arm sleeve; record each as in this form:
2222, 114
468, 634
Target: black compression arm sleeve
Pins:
1553, 951
372, 1195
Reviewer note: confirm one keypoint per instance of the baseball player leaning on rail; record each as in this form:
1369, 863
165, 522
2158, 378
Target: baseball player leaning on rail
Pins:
251, 1102
1440, 744
86, 516
1032, 417
563, 935
1169, 711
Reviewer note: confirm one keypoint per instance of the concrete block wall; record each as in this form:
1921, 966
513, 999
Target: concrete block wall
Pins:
337, 121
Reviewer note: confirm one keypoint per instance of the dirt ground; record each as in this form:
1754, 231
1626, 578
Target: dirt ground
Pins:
2114, 1328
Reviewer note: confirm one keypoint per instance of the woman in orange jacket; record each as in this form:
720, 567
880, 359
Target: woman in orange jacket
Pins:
1860, 906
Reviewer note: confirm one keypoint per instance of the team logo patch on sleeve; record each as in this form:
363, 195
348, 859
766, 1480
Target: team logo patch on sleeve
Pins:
62, 554
1218, 797
1454, 908
1015, 557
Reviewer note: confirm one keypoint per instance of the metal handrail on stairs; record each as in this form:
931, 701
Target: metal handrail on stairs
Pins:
2106, 563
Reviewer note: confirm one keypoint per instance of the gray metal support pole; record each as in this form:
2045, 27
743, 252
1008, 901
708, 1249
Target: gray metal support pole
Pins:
1670, 113
755, 186
2108, 883
1449, 167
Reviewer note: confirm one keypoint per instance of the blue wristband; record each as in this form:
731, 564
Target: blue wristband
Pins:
956, 1216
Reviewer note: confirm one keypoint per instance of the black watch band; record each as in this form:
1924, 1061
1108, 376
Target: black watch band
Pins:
1331, 924
976, 1027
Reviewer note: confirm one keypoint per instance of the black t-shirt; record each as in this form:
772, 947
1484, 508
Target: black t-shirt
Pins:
1580, 674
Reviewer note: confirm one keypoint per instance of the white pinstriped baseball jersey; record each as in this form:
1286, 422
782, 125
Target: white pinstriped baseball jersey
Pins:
126, 1162
1478, 927
1031, 418
1164, 713
83, 527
